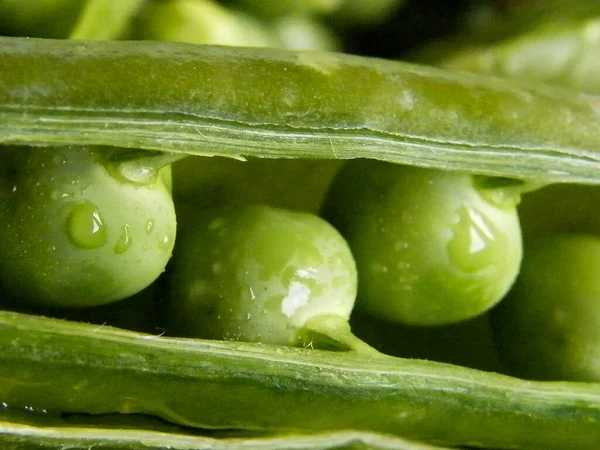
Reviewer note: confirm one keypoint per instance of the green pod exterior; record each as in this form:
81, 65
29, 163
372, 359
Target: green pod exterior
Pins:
34, 431
240, 102
57, 366
564, 54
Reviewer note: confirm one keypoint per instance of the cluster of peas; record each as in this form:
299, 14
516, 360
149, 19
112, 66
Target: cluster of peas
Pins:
251, 258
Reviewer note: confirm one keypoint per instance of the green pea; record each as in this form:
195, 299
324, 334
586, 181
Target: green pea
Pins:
432, 247
260, 274
548, 327
200, 22
75, 232
274, 8
564, 54
302, 32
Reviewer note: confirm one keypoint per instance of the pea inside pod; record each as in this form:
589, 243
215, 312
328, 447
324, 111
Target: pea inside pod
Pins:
261, 274
432, 247
548, 327
76, 232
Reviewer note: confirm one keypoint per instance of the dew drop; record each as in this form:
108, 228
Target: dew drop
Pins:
124, 241
59, 160
474, 243
149, 226
85, 226
165, 242
57, 195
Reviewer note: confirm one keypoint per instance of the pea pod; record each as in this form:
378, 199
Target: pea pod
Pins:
37, 429
548, 326
565, 54
69, 367
271, 103
15, 435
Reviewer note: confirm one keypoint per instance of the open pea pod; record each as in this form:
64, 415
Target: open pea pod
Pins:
269, 103
564, 54
67, 367
35, 431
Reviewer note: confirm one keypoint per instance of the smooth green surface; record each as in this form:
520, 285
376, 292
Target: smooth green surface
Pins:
431, 247
200, 22
26, 436
548, 328
272, 103
74, 233
302, 32
564, 53
256, 273
105, 19
67, 367
274, 8
559, 208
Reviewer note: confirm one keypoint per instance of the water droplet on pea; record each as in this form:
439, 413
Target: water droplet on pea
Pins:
473, 244
165, 242
149, 226
85, 226
57, 195
124, 241
59, 159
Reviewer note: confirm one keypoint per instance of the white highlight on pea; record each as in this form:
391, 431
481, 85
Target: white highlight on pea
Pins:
310, 273
296, 297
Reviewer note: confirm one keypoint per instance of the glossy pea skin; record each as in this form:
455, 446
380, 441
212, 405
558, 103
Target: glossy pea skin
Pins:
200, 22
256, 273
548, 327
432, 247
77, 234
